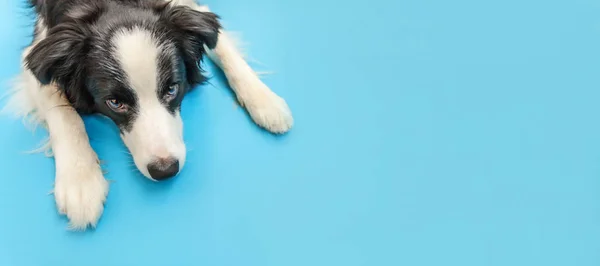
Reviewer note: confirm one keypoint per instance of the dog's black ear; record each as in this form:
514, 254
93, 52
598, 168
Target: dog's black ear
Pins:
193, 31
200, 27
57, 55
60, 58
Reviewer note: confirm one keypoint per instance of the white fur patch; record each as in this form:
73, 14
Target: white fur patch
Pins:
137, 53
155, 133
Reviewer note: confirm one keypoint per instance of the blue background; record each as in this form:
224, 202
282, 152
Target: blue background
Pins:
427, 132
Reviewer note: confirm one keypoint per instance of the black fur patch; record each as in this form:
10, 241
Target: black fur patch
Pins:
77, 54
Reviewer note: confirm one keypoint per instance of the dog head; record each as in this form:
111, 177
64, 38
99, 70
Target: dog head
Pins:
133, 63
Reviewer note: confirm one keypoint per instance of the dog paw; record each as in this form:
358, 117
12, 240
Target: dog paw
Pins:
268, 110
80, 193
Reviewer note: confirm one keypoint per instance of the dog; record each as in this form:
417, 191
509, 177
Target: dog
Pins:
132, 61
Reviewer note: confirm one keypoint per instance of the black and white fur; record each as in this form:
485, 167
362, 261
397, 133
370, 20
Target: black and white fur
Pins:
132, 61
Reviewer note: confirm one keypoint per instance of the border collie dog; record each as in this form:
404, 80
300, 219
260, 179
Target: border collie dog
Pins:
132, 61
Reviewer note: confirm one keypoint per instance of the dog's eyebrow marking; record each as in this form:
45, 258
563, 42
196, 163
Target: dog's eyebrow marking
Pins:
137, 51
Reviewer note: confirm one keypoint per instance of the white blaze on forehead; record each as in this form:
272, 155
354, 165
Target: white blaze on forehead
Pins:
137, 52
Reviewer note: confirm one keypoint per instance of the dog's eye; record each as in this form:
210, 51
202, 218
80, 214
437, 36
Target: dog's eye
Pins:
172, 91
116, 106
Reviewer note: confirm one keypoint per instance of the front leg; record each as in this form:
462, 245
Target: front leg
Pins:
80, 188
265, 107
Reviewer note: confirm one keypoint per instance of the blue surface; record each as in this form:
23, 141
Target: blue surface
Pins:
427, 133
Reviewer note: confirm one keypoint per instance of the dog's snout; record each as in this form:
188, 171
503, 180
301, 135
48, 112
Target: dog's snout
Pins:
163, 168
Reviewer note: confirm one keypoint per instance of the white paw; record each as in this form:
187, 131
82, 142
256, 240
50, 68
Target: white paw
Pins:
267, 109
80, 192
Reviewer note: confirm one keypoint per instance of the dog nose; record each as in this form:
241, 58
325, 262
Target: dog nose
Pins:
162, 169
